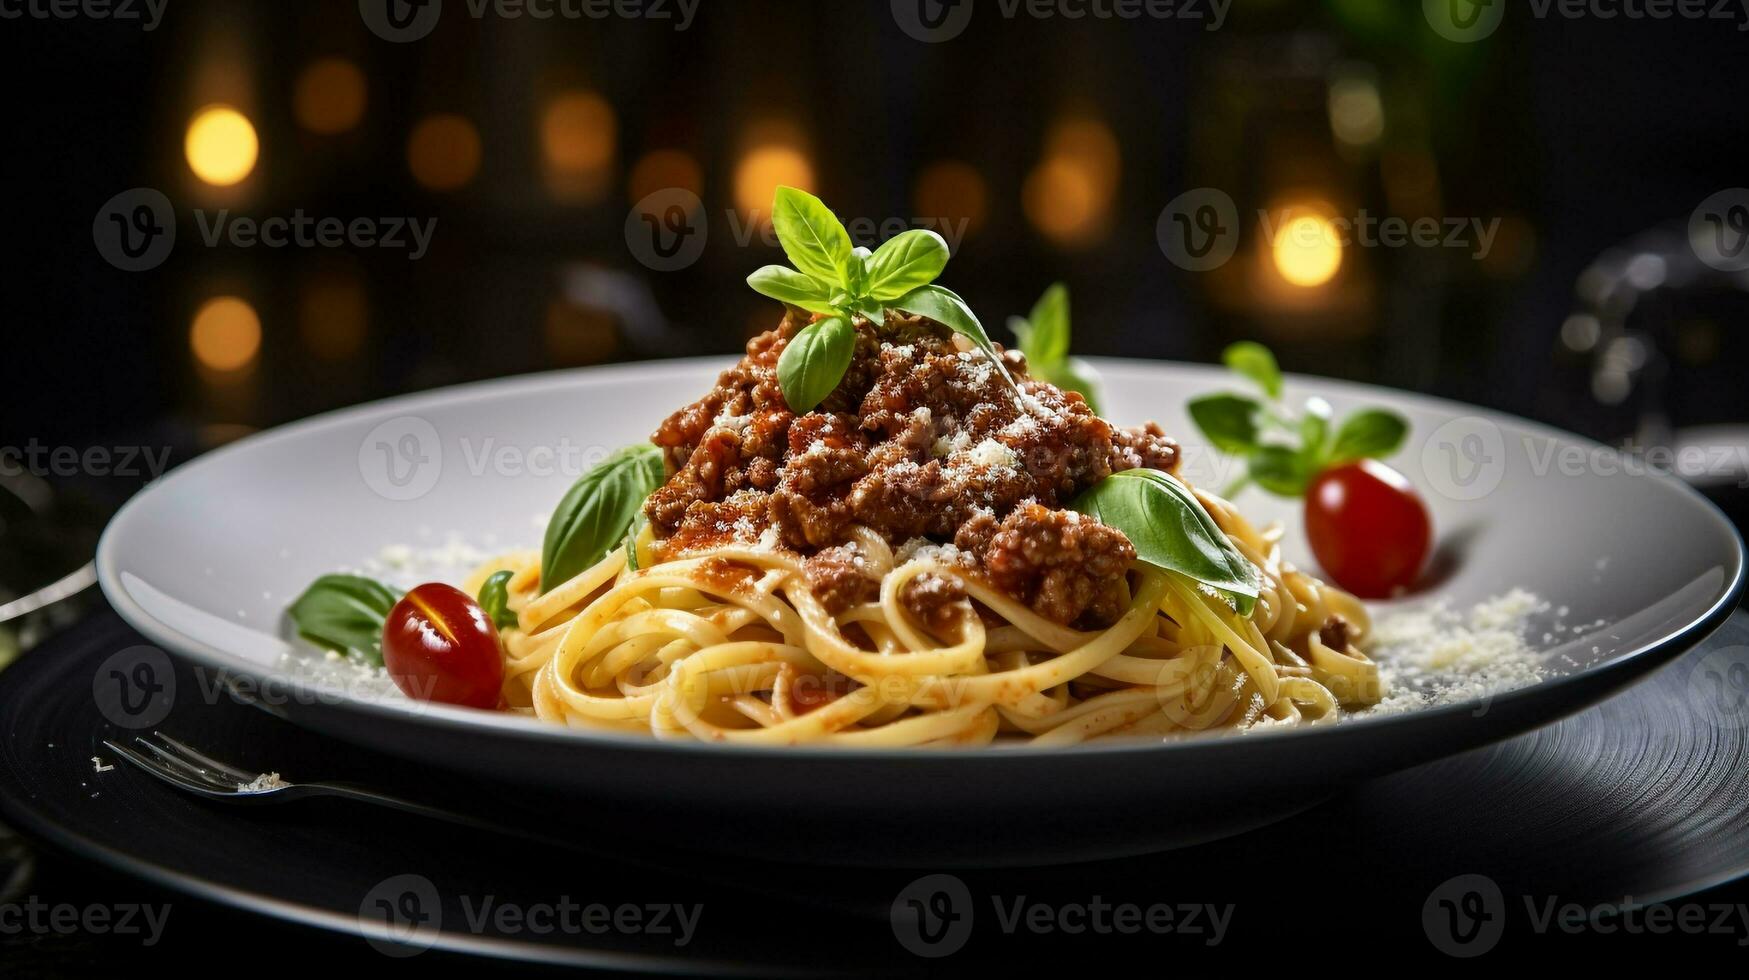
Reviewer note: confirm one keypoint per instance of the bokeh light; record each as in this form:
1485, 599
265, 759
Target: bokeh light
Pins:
579, 137
444, 152
661, 170
1068, 196
221, 145
1357, 114
225, 335
329, 96
952, 191
762, 170
1307, 251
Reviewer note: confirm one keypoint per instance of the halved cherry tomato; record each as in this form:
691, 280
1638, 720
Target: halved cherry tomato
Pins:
1368, 528
438, 645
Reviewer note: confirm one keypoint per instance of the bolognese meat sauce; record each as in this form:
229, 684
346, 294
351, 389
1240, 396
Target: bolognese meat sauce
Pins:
923, 442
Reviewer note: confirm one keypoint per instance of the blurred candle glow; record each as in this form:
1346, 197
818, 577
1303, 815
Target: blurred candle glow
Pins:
579, 135
329, 96
1307, 250
444, 152
225, 335
762, 170
221, 145
1069, 194
952, 191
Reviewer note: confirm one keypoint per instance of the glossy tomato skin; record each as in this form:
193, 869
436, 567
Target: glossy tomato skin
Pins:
1369, 528
438, 645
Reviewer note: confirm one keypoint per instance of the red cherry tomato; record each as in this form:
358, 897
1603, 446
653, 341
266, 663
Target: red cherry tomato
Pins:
1369, 528
438, 645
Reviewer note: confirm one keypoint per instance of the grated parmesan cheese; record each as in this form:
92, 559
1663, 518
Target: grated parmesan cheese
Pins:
1434, 655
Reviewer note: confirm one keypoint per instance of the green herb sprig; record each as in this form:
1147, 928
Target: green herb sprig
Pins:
1284, 450
595, 513
1172, 531
842, 282
1043, 335
345, 613
494, 599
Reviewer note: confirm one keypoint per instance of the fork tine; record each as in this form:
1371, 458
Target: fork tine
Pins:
169, 759
164, 773
189, 753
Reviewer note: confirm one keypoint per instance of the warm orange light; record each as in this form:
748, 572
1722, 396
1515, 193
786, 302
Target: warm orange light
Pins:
329, 96
1062, 202
221, 145
332, 318
226, 334
765, 168
1090, 145
661, 170
952, 191
444, 152
578, 133
1069, 195
1307, 250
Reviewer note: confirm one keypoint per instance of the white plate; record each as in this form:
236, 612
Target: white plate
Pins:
205, 560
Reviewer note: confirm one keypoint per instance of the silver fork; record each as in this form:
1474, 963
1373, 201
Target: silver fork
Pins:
193, 771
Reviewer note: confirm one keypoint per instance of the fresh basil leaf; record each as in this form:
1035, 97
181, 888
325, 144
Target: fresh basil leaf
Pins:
789, 286
873, 313
1280, 470
811, 235
595, 513
814, 361
1229, 421
1049, 320
904, 262
1369, 434
1170, 530
1314, 429
495, 599
856, 274
1254, 361
944, 306
345, 612
1073, 375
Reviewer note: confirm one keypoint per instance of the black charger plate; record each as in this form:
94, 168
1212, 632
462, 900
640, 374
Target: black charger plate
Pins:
1644, 795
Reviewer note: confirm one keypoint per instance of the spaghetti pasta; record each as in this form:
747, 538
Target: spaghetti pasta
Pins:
735, 646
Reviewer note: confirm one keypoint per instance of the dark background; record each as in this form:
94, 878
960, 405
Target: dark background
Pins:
1055, 144
1591, 140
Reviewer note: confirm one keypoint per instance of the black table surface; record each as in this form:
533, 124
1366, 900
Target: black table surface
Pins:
1560, 838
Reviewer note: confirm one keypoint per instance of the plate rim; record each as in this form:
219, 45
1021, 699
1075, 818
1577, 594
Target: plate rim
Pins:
498, 724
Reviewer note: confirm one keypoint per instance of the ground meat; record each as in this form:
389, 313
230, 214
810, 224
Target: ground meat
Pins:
1061, 563
1334, 633
838, 577
1145, 447
921, 439
934, 601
